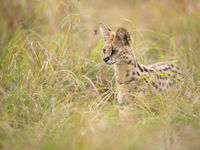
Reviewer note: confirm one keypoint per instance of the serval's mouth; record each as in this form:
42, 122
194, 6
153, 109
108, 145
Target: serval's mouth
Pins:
111, 62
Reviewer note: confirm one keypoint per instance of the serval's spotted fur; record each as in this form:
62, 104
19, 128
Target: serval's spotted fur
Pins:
131, 76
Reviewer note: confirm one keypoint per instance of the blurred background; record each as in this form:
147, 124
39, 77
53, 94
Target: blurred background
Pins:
56, 92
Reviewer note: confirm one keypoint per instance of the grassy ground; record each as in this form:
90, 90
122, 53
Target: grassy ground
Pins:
56, 92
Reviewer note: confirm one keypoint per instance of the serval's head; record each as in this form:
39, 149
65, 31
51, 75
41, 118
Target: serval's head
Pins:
117, 45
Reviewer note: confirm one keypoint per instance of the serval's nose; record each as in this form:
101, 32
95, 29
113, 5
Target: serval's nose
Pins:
106, 59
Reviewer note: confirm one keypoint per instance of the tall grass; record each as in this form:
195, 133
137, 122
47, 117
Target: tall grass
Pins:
56, 92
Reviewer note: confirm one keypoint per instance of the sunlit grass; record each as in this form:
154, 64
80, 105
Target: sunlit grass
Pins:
56, 92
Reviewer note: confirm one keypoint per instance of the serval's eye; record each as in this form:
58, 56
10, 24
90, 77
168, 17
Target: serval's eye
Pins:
104, 51
114, 52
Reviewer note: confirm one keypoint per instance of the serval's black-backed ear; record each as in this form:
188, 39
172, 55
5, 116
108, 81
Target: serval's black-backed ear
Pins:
123, 36
105, 31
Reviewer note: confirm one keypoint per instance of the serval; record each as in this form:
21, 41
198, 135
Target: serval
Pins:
132, 76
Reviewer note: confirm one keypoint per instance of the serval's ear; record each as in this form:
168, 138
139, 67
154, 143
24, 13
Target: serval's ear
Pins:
123, 36
105, 31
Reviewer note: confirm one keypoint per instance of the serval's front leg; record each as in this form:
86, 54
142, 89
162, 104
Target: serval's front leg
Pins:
122, 95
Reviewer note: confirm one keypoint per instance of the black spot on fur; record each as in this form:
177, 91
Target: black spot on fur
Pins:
133, 79
172, 65
133, 73
138, 73
169, 75
129, 62
146, 80
119, 82
159, 83
140, 67
127, 73
161, 77
154, 85
165, 69
145, 69
170, 84
151, 70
